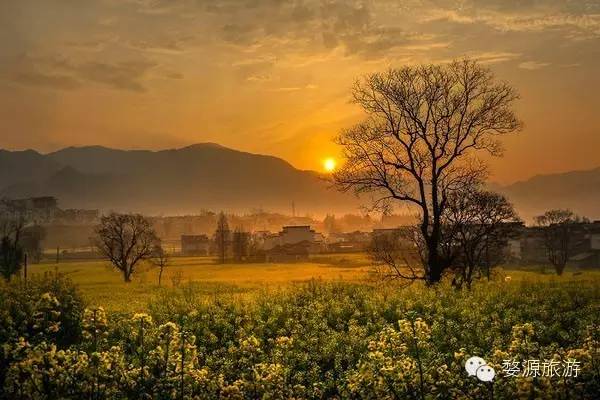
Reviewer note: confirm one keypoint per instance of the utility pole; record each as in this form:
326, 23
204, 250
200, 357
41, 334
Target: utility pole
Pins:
25, 267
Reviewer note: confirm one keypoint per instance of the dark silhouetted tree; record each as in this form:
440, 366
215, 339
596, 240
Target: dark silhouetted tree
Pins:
558, 226
478, 225
11, 250
240, 244
330, 224
397, 254
222, 238
417, 144
32, 239
125, 239
161, 259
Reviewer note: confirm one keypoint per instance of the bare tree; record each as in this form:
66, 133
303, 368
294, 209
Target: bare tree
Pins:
161, 259
397, 254
424, 124
11, 249
240, 244
222, 238
479, 225
32, 238
330, 224
125, 239
558, 226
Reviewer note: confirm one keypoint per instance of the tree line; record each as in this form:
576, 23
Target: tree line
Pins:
476, 229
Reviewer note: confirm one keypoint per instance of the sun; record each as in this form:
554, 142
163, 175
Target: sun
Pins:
329, 164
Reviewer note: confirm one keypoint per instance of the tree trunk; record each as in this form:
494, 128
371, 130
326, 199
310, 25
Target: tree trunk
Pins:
433, 258
160, 275
434, 266
126, 275
560, 268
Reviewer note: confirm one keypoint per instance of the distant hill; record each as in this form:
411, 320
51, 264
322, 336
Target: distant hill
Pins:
577, 190
17, 167
178, 181
210, 176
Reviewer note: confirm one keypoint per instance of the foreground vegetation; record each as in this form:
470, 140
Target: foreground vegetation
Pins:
311, 340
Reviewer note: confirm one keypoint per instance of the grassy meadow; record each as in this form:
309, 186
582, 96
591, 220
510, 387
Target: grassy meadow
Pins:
102, 285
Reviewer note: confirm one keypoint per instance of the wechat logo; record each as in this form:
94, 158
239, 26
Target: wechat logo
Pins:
476, 366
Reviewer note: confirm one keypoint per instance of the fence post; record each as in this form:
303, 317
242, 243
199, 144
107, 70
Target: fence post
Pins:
25, 267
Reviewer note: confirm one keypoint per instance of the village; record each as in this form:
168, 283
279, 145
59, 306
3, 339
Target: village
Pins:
66, 233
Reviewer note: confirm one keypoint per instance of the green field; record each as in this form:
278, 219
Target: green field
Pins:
102, 285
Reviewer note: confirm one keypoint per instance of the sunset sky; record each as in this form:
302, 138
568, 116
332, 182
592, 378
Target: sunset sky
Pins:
273, 76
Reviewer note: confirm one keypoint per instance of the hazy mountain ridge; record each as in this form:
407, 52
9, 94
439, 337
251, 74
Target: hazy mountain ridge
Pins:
25, 166
211, 176
173, 181
577, 190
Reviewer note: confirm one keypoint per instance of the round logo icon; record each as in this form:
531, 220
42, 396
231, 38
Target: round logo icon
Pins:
485, 373
472, 364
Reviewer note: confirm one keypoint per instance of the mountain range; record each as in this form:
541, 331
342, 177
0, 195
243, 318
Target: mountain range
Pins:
175, 181
210, 176
575, 190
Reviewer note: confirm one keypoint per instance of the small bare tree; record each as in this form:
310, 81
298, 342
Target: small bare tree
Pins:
240, 244
222, 238
125, 239
32, 239
161, 259
478, 224
417, 145
558, 226
397, 255
11, 248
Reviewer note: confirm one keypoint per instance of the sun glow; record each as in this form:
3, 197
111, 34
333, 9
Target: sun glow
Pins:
329, 164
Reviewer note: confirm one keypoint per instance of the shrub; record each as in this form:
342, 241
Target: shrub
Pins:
43, 308
40, 310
